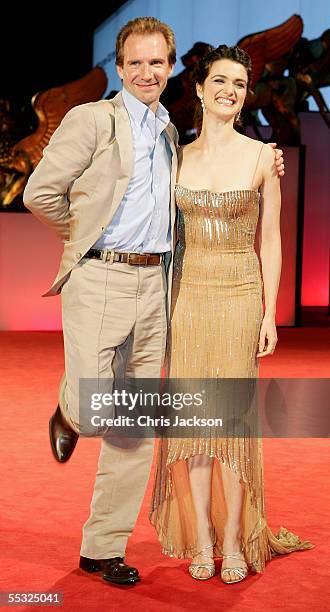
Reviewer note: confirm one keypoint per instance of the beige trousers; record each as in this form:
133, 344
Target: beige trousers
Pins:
114, 320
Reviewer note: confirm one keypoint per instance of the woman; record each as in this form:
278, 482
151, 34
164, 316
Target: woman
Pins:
208, 493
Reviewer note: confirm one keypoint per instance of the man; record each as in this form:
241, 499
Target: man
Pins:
106, 185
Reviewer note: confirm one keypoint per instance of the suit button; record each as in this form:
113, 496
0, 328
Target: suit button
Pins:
78, 255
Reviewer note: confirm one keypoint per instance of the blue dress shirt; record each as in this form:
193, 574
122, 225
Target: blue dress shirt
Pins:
141, 223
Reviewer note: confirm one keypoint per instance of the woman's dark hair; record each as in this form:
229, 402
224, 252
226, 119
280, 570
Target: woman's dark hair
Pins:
235, 54
202, 70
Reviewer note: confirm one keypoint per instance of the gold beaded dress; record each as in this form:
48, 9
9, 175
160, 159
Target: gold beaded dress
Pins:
214, 331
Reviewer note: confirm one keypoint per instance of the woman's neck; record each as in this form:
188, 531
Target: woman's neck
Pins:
216, 134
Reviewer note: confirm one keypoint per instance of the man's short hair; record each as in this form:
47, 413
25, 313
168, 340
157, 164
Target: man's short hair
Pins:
145, 25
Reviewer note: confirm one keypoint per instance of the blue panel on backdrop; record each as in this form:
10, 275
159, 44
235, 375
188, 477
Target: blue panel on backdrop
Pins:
211, 21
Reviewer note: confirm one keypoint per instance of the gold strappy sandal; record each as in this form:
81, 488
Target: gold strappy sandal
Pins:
210, 567
240, 572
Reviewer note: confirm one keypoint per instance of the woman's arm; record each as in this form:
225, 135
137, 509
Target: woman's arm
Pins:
270, 249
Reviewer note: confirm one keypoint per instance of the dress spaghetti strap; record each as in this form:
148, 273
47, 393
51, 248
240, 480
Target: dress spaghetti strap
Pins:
257, 164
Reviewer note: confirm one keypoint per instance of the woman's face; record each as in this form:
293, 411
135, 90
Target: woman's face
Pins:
224, 89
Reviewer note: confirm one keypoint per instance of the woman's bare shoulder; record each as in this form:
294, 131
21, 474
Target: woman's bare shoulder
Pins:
186, 151
254, 147
251, 143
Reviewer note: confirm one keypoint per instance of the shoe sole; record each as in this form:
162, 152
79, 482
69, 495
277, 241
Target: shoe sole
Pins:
122, 582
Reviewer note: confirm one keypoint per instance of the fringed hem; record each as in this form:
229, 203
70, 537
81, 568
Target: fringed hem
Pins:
170, 551
224, 459
256, 554
260, 544
242, 469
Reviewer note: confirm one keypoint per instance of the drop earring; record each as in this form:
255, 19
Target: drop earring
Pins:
238, 116
202, 103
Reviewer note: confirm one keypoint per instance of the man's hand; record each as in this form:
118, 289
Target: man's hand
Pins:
279, 161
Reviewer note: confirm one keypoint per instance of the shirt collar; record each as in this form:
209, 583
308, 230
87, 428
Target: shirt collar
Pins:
139, 111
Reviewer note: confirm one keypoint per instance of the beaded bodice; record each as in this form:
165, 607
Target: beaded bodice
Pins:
224, 220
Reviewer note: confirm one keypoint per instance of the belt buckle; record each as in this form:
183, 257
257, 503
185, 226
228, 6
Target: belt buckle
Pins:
131, 263
108, 256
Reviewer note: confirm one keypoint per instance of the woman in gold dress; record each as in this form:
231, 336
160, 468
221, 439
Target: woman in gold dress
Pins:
208, 498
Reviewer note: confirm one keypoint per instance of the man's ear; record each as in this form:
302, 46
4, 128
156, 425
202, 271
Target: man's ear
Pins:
120, 71
171, 68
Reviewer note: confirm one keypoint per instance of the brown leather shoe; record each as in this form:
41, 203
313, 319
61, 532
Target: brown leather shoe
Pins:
113, 570
63, 438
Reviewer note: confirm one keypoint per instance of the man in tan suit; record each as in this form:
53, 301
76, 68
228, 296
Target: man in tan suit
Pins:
106, 186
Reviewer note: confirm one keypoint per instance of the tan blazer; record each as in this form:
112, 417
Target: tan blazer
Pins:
83, 175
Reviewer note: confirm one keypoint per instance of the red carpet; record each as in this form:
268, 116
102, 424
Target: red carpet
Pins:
44, 504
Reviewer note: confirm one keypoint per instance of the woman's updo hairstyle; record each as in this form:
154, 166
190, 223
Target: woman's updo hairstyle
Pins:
203, 67
235, 54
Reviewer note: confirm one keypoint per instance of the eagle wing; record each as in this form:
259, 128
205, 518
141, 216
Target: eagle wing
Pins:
51, 106
270, 45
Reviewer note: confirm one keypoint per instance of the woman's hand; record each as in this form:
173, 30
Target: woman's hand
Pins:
268, 337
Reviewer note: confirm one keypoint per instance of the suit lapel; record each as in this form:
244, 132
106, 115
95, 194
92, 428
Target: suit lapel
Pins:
169, 134
124, 139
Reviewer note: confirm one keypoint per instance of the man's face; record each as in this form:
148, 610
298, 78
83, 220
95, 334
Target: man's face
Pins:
145, 68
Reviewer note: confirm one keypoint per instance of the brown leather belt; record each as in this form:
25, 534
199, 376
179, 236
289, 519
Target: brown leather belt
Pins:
133, 259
